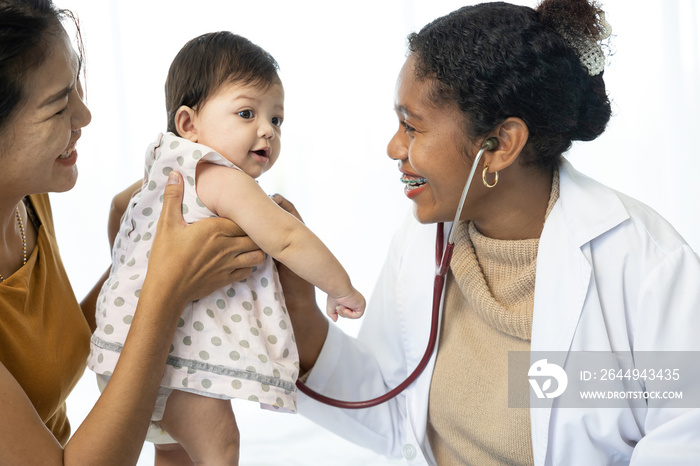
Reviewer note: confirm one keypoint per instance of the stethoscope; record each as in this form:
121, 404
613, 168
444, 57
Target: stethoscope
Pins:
442, 260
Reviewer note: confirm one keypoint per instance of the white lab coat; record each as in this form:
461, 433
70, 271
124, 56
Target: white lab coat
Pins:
612, 275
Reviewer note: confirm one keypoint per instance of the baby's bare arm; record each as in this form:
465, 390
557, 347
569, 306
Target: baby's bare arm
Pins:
233, 194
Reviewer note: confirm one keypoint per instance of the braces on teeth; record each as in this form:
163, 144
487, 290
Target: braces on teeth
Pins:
413, 182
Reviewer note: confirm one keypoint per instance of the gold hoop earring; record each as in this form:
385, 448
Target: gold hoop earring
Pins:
483, 177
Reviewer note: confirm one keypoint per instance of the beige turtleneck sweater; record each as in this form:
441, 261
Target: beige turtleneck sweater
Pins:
489, 300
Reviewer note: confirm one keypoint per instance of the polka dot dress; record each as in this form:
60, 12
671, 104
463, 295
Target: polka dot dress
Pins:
235, 343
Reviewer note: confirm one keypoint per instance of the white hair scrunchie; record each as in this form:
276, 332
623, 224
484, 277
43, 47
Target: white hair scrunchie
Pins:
589, 50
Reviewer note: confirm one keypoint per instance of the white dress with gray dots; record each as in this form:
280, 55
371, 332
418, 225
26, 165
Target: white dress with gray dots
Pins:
236, 342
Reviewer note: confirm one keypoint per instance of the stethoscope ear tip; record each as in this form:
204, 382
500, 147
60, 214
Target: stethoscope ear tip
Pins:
490, 144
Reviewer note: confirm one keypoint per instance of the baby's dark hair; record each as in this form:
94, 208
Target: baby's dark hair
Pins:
498, 60
210, 61
26, 29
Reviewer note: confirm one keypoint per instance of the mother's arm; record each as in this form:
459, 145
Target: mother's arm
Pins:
187, 262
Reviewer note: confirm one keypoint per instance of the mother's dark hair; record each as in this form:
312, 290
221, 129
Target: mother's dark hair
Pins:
497, 60
26, 26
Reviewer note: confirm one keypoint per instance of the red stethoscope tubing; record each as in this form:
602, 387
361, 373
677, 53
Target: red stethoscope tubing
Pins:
442, 260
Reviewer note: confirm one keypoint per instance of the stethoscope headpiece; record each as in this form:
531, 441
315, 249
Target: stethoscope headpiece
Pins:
490, 144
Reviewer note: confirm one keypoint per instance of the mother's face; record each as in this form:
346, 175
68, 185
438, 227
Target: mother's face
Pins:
430, 146
37, 150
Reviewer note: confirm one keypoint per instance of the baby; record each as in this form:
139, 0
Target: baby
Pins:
225, 104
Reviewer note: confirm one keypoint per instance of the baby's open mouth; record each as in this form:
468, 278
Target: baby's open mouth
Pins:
264, 152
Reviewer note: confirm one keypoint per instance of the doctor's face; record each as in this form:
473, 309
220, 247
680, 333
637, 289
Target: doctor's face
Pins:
430, 146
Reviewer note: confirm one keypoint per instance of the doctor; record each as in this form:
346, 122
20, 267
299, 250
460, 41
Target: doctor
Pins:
545, 259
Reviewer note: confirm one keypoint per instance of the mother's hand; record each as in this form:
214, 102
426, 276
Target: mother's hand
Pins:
195, 259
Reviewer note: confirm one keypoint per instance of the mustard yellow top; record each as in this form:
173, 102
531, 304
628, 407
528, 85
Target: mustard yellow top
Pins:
44, 337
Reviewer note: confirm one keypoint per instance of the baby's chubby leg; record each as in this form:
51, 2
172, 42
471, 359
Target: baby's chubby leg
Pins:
171, 454
205, 427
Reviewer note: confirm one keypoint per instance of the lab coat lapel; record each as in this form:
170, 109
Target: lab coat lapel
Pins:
562, 279
585, 210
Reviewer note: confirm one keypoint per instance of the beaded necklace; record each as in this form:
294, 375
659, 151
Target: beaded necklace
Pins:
24, 241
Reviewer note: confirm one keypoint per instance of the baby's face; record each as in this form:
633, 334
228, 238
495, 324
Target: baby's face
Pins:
243, 124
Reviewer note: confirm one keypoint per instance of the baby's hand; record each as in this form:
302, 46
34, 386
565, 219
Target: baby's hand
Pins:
351, 306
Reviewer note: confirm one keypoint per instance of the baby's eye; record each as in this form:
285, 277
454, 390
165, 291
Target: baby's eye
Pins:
246, 114
277, 121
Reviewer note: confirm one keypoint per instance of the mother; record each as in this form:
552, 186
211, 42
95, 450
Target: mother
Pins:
546, 259
44, 332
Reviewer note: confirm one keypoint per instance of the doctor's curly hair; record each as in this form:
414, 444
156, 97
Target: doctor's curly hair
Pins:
498, 60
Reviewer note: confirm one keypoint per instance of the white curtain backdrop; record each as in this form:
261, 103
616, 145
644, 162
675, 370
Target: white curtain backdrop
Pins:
339, 62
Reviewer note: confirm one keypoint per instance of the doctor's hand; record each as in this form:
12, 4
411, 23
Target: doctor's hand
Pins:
310, 324
116, 211
299, 294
